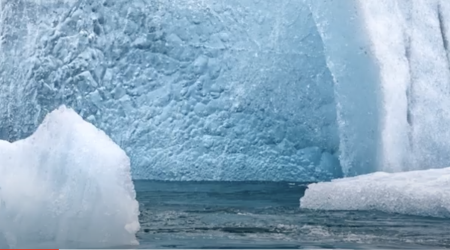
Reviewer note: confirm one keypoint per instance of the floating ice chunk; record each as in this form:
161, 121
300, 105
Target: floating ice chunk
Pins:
425, 193
67, 185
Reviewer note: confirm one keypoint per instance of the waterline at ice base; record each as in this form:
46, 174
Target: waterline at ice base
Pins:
352, 94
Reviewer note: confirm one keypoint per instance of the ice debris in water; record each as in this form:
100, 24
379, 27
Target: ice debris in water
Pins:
68, 184
423, 193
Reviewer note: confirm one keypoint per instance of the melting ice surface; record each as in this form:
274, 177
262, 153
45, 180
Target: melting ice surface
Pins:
67, 185
424, 193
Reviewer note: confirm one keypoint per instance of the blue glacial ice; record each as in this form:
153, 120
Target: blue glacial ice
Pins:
349, 57
67, 185
191, 90
237, 90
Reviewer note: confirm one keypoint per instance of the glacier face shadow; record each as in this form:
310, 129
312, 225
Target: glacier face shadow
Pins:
191, 90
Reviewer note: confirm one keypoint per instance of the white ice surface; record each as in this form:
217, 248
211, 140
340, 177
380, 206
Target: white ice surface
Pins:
409, 40
67, 185
424, 193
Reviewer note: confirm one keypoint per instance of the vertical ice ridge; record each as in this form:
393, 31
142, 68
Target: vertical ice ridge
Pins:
443, 30
410, 43
356, 88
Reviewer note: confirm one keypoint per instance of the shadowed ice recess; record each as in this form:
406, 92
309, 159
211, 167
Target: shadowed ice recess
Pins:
237, 90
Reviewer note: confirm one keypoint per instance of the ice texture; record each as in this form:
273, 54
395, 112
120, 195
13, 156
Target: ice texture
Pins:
391, 67
237, 89
410, 41
349, 56
66, 186
191, 90
423, 193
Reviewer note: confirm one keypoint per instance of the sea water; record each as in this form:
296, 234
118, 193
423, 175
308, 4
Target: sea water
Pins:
267, 215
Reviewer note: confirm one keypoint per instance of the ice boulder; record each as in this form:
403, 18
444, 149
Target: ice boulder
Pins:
424, 193
67, 185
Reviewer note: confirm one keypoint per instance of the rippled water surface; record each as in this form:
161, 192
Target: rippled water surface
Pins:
267, 215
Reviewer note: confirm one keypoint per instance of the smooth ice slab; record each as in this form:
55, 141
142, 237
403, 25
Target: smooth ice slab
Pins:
425, 193
67, 185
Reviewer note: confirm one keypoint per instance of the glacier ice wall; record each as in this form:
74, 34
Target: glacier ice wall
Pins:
356, 82
390, 63
410, 42
66, 186
408, 46
237, 90
192, 90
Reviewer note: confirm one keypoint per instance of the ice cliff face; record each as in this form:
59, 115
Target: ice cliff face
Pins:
237, 90
391, 69
192, 90
410, 41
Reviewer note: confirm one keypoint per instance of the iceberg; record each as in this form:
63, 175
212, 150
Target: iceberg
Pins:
422, 193
67, 185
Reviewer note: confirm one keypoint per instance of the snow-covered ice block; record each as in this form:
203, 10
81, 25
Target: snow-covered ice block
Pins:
424, 193
67, 185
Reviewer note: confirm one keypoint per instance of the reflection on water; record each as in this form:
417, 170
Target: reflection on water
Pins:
267, 215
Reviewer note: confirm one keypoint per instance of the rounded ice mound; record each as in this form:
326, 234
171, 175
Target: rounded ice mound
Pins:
67, 185
423, 193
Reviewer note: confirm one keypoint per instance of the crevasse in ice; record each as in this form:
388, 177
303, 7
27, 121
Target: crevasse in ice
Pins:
67, 185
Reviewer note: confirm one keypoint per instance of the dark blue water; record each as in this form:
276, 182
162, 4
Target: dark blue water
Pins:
267, 215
